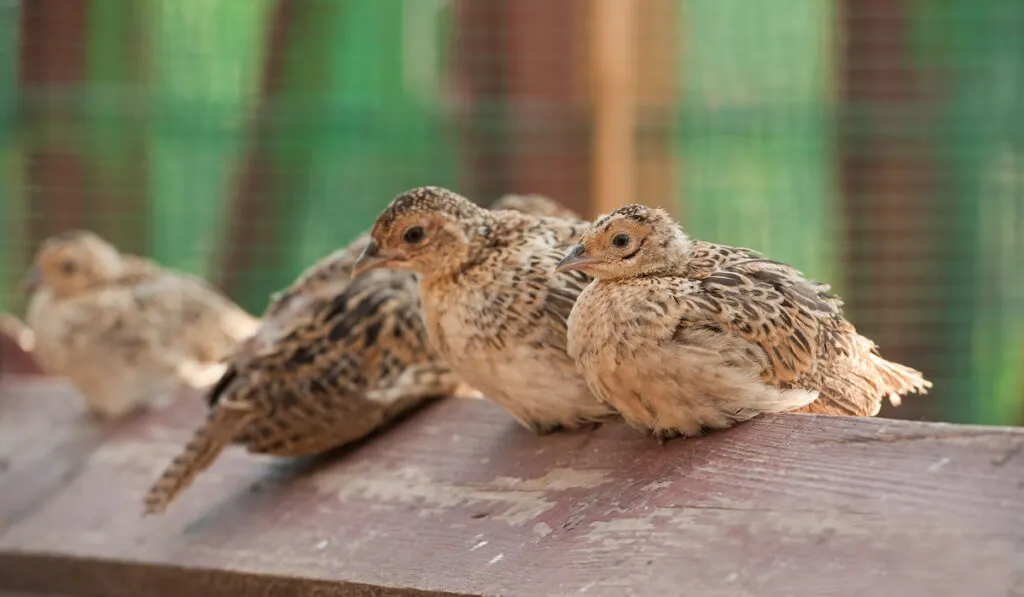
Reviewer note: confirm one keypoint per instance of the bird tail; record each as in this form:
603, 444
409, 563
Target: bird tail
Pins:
898, 379
221, 427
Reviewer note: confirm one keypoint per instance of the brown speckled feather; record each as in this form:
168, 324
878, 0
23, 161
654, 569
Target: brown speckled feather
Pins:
122, 329
494, 307
807, 341
720, 314
335, 358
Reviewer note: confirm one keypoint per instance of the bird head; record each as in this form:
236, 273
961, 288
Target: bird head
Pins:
634, 240
420, 231
536, 205
72, 262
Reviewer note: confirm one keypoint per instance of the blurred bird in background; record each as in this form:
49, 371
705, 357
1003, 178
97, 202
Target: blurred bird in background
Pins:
120, 328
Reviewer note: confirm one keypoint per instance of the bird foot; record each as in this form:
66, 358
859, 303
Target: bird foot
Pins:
543, 428
664, 435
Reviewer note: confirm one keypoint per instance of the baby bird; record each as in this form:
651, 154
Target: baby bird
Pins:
335, 359
682, 335
535, 205
493, 306
121, 329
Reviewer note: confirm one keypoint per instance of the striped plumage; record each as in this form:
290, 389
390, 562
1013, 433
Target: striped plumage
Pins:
681, 335
335, 359
494, 308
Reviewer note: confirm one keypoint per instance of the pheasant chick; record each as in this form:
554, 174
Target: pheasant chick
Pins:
682, 335
120, 328
493, 306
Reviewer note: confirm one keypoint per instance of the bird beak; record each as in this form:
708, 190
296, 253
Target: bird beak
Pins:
30, 283
574, 261
371, 258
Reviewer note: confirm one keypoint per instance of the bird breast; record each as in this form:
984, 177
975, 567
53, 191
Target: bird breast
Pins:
612, 315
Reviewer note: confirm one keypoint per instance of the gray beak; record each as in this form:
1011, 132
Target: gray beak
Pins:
575, 260
371, 258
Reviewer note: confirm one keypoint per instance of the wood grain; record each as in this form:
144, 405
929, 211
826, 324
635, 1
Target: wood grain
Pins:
459, 500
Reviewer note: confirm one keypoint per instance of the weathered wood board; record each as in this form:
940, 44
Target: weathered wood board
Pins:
13, 359
459, 500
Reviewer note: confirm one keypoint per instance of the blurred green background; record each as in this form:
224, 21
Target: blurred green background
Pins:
875, 144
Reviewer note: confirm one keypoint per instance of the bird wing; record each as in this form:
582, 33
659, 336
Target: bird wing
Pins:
329, 276
559, 289
336, 348
767, 303
706, 258
181, 314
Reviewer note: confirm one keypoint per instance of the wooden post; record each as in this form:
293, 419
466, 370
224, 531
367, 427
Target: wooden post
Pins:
890, 186
479, 73
253, 208
612, 47
546, 120
52, 62
656, 68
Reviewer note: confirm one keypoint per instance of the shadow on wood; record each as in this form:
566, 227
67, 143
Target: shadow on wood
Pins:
458, 500
15, 360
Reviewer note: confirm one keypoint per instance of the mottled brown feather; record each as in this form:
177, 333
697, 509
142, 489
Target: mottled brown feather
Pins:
675, 297
335, 359
494, 307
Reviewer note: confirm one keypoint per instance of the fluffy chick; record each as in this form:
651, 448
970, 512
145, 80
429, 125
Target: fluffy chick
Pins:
535, 205
681, 335
493, 306
335, 359
121, 329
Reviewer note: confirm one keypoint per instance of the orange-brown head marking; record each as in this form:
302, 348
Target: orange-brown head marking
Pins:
634, 240
73, 261
419, 230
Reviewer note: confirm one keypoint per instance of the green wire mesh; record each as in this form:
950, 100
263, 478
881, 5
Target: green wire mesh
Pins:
875, 144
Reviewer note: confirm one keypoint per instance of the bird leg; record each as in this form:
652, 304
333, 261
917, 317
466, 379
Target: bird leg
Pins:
664, 435
542, 428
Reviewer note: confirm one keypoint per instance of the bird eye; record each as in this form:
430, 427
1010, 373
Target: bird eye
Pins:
620, 241
67, 267
413, 235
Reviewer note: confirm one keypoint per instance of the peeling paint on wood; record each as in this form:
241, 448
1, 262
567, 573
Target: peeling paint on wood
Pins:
457, 499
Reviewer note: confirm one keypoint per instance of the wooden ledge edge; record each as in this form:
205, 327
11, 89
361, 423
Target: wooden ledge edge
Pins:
49, 574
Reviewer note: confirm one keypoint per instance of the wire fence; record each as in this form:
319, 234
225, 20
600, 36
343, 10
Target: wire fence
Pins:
875, 144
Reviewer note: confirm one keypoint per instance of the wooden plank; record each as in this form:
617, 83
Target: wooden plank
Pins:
459, 499
612, 50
